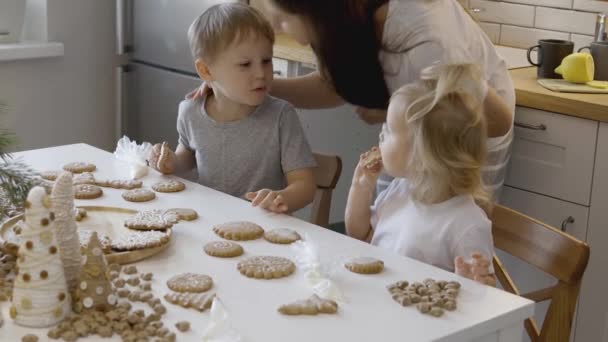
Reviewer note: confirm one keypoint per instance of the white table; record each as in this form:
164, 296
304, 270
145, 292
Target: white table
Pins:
483, 314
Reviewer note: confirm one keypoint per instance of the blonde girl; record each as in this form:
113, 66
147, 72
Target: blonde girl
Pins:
434, 144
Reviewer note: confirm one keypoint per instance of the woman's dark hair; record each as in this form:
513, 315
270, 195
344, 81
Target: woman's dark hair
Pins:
346, 46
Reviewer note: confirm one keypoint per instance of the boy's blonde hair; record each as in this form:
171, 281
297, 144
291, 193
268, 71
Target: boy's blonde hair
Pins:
223, 24
447, 132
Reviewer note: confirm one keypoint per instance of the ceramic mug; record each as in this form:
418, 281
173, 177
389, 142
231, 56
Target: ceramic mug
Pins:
599, 52
550, 55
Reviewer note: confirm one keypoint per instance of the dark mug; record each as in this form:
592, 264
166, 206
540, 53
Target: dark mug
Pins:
550, 55
599, 52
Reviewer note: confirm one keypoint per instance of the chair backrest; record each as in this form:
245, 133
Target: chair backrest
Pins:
327, 173
550, 250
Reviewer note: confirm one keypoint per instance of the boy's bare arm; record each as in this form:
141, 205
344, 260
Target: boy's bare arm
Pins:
300, 189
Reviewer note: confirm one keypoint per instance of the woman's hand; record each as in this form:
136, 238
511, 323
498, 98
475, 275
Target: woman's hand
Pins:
478, 269
371, 116
269, 200
199, 92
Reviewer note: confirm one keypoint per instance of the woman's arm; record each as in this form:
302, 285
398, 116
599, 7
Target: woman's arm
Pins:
308, 92
498, 114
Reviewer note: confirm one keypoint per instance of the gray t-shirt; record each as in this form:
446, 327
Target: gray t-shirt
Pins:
246, 155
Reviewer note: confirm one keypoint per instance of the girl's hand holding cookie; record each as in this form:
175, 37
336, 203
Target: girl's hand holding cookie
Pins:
368, 169
162, 158
478, 269
268, 199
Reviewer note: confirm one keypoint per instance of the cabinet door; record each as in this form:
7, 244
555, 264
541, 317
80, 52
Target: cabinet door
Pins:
592, 324
553, 154
553, 212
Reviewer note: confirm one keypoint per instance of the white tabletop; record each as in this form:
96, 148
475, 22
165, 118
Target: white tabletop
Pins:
370, 314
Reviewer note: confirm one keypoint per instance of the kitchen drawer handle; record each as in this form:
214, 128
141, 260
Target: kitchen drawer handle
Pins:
277, 72
568, 220
540, 127
4, 33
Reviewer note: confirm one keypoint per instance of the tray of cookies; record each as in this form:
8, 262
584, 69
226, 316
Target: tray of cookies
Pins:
121, 244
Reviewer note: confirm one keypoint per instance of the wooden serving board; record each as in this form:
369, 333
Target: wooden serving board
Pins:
108, 221
567, 87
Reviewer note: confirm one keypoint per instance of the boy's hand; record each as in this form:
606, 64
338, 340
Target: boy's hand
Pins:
198, 92
478, 269
268, 199
162, 159
368, 169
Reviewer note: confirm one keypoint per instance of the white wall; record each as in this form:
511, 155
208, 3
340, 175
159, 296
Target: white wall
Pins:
66, 99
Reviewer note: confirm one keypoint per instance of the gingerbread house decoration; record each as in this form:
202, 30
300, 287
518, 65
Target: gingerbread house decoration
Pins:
40, 292
94, 292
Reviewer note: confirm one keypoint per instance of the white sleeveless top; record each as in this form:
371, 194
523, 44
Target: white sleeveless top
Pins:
419, 33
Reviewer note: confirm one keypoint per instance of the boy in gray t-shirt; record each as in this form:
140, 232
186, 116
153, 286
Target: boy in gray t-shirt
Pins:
241, 140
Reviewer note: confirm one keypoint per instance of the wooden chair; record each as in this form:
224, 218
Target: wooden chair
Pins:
550, 250
327, 174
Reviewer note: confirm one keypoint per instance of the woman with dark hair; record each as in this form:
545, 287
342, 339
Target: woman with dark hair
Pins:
367, 49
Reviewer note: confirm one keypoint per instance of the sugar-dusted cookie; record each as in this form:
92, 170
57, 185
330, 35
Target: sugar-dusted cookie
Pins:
197, 301
223, 249
85, 235
151, 220
50, 175
79, 167
139, 195
282, 236
87, 191
190, 282
84, 178
185, 213
266, 267
170, 185
139, 240
311, 306
127, 184
365, 265
239, 230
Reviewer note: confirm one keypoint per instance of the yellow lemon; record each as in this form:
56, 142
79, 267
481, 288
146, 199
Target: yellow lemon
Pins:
577, 68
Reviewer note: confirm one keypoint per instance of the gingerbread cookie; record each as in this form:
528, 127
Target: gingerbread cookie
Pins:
190, 282
372, 158
197, 301
223, 249
151, 220
50, 175
139, 240
239, 230
84, 178
139, 195
266, 267
365, 265
184, 213
311, 306
170, 185
87, 191
282, 236
79, 167
163, 155
126, 184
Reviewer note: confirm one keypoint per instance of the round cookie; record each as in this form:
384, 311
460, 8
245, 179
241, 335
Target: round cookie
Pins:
190, 282
50, 175
282, 236
223, 249
151, 220
373, 158
139, 195
87, 191
239, 230
184, 213
365, 265
266, 267
170, 185
79, 167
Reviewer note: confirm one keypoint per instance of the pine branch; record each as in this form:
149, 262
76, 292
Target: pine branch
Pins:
16, 180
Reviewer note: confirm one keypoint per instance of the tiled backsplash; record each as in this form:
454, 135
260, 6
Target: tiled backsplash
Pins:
521, 23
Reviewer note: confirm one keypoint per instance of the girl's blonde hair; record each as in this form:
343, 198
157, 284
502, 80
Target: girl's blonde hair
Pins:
447, 132
223, 24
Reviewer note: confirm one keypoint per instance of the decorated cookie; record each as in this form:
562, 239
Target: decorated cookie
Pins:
87, 191
223, 249
170, 185
139, 240
266, 267
184, 213
50, 175
197, 301
139, 195
365, 265
239, 230
282, 236
127, 184
79, 167
190, 282
311, 306
151, 220
84, 178
85, 235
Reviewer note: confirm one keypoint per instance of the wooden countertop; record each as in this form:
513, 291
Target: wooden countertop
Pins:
528, 92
